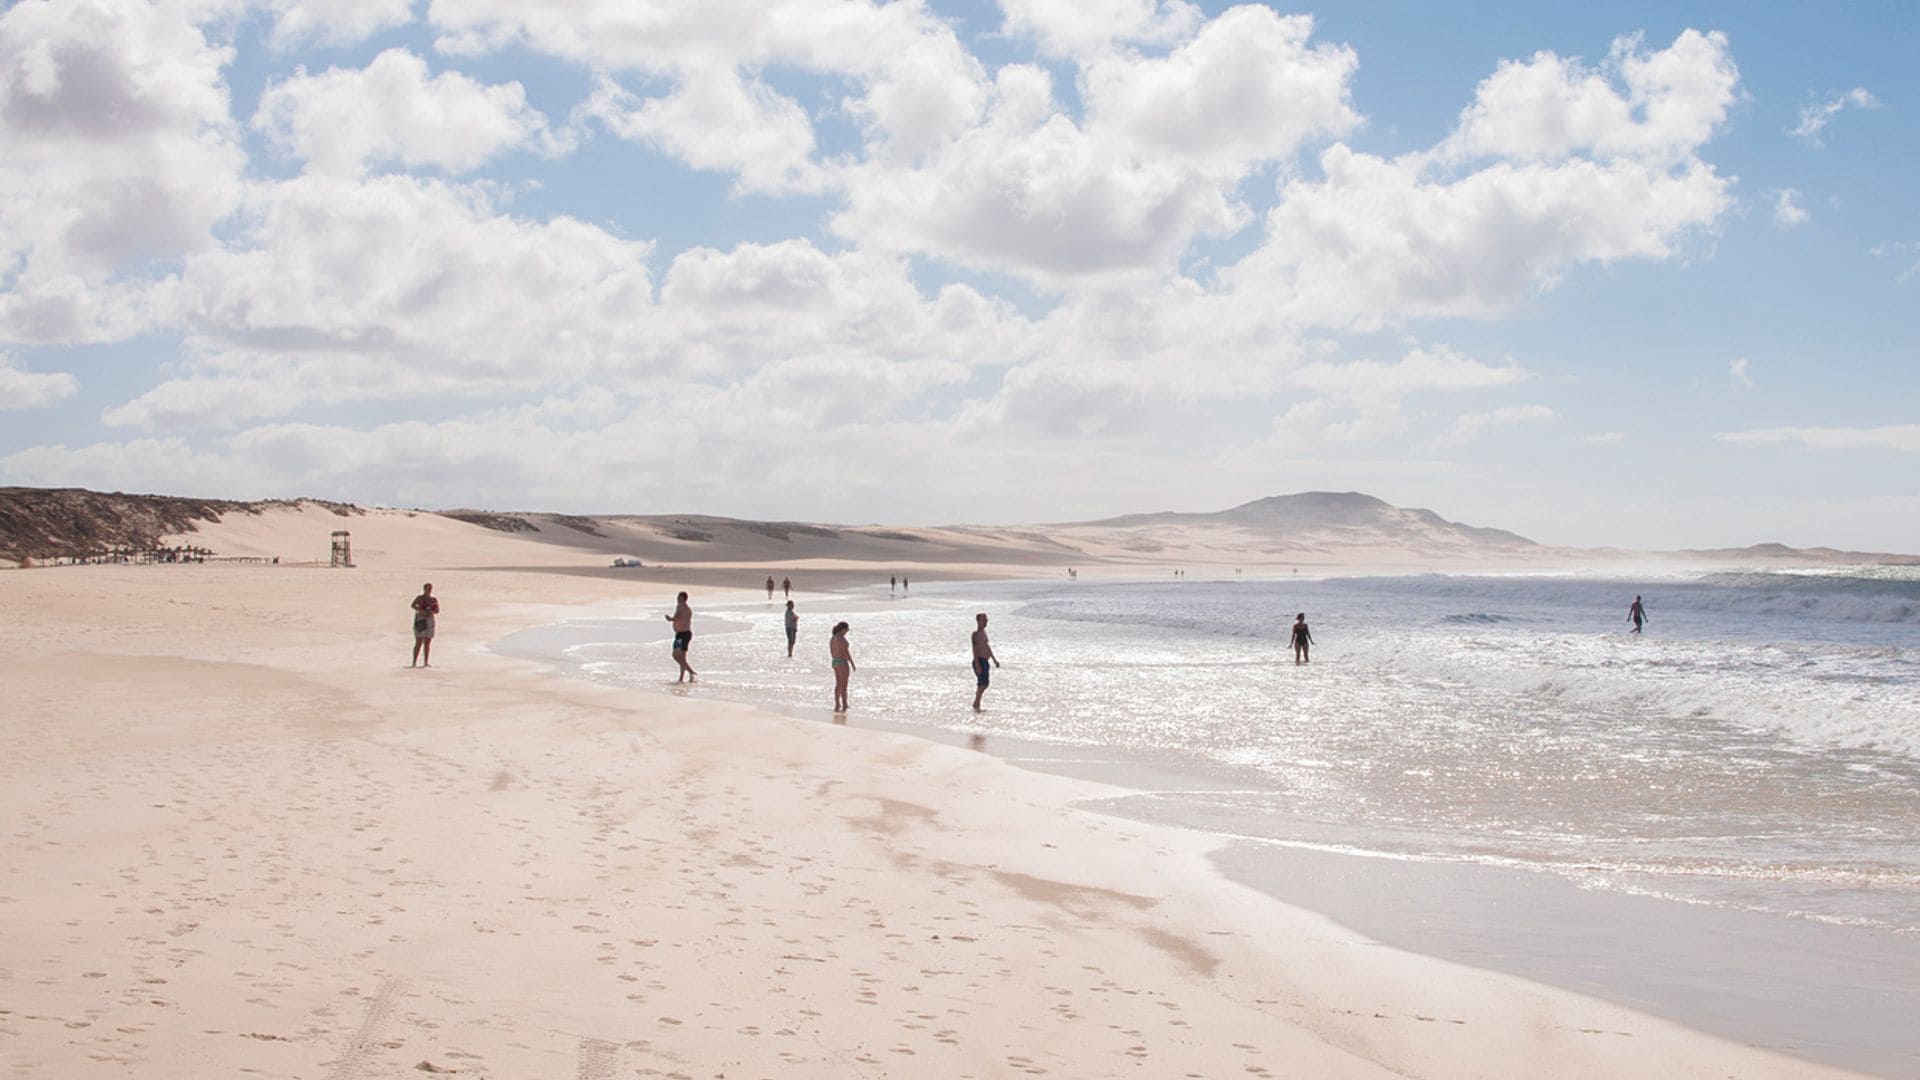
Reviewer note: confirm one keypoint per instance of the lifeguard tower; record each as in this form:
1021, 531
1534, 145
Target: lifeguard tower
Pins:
342, 548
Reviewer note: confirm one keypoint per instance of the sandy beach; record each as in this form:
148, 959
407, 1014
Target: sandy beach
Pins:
245, 838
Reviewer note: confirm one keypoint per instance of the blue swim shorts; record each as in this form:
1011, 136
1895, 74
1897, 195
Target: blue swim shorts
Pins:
682, 639
981, 669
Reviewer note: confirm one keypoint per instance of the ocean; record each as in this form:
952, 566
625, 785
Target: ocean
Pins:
1755, 750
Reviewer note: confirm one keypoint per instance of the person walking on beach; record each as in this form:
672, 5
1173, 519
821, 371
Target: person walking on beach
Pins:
793, 627
904, 587
893, 582
786, 586
842, 665
425, 607
682, 620
1636, 614
769, 586
982, 657
1302, 638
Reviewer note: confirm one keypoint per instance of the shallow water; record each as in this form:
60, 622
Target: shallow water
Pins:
1758, 747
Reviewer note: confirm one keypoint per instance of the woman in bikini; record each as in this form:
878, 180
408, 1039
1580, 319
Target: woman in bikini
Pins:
842, 665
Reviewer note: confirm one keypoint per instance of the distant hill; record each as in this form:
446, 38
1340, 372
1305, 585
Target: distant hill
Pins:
1321, 521
1314, 527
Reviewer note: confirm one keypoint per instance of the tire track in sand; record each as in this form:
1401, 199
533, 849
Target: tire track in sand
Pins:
352, 1063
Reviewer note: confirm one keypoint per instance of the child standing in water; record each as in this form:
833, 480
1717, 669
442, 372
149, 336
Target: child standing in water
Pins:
842, 665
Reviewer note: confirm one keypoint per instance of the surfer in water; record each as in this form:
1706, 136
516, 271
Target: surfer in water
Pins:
1302, 638
1637, 614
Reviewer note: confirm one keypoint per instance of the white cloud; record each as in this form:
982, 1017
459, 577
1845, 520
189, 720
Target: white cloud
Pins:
1738, 373
1549, 108
1377, 241
1031, 193
1471, 426
1249, 88
342, 120
1363, 400
1815, 118
722, 122
21, 389
119, 151
335, 22
1900, 249
1585, 173
1786, 212
1085, 27
915, 84
1156, 161
395, 287
1901, 437
391, 288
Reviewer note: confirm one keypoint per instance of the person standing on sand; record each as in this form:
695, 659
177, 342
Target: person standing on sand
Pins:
1636, 614
769, 586
1302, 638
425, 607
682, 620
786, 586
982, 656
793, 627
842, 665
893, 582
903, 583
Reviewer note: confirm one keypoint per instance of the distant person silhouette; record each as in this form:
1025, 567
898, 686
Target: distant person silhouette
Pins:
982, 655
793, 626
426, 607
1637, 614
786, 586
682, 620
842, 658
1302, 638
893, 582
769, 586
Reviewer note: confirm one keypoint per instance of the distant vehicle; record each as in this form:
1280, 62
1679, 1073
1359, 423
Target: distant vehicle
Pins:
623, 564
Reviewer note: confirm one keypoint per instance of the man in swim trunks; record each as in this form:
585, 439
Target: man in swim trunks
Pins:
425, 607
793, 626
1637, 614
982, 656
682, 620
1302, 638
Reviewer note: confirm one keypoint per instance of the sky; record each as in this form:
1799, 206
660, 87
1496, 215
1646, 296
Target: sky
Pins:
1641, 275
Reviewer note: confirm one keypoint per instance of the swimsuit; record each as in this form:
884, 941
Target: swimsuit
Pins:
981, 669
682, 639
839, 662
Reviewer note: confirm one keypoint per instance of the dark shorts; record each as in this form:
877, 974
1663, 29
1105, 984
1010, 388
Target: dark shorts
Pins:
981, 670
682, 639
792, 633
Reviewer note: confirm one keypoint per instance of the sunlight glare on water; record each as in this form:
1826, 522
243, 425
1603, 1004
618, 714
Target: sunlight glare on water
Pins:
1758, 746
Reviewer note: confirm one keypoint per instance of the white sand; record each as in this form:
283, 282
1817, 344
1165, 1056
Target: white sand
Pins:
242, 837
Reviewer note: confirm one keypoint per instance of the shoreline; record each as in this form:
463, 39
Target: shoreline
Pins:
247, 837
1723, 972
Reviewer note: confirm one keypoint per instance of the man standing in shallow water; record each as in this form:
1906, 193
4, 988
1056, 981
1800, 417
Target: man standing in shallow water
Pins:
982, 655
1637, 614
682, 620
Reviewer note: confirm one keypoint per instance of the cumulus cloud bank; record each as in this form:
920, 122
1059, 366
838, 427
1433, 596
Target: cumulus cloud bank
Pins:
987, 265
